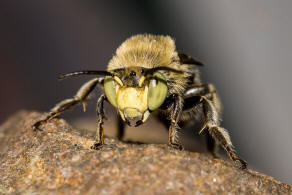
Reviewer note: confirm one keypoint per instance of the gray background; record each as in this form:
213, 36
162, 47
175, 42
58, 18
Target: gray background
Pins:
246, 45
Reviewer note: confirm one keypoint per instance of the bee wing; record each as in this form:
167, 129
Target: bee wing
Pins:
186, 59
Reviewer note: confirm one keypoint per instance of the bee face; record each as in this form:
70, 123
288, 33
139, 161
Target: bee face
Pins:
134, 94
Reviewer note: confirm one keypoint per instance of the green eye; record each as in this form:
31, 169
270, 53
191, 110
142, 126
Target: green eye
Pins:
110, 91
157, 91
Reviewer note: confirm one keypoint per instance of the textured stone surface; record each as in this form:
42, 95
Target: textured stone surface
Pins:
59, 159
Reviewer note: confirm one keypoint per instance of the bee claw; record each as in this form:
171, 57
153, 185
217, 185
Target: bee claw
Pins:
96, 146
176, 146
243, 163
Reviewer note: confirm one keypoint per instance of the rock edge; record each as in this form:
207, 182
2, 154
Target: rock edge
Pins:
59, 159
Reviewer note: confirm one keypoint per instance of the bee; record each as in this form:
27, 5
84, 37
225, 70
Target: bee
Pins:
147, 75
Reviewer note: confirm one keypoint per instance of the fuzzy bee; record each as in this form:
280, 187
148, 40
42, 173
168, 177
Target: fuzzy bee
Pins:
147, 74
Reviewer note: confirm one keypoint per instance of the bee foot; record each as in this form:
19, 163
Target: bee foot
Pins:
96, 146
36, 126
176, 146
243, 163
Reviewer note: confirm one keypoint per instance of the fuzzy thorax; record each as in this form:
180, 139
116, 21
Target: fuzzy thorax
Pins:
146, 51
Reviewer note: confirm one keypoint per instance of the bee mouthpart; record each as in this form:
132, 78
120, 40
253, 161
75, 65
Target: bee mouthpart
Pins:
133, 122
133, 117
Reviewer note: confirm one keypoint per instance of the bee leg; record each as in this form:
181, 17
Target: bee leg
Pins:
206, 95
207, 90
98, 142
64, 105
192, 99
121, 129
173, 129
218, 133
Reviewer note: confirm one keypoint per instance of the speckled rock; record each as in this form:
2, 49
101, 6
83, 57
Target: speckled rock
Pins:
59, 159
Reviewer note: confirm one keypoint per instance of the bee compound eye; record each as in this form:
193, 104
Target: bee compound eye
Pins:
110, 91
157, 91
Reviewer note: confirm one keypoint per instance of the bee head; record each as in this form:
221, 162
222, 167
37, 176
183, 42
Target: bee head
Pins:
135, 92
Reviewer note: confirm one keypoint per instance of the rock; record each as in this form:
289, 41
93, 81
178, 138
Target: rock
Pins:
59, 159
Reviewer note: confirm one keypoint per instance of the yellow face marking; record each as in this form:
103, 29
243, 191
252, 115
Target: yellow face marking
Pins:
118, 80
122, 115
146, 115
141, 81
132, 101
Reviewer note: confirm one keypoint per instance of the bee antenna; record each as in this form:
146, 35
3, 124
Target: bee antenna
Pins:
85, 72
152, 70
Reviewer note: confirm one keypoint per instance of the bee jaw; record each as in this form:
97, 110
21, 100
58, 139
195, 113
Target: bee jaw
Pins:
134, 120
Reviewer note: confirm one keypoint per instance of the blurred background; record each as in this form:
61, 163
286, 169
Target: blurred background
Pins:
246, 45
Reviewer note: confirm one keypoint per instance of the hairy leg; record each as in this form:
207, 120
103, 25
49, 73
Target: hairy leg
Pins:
64, 105
98, 142
219, 134
192, 98
173, 129
206, 95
